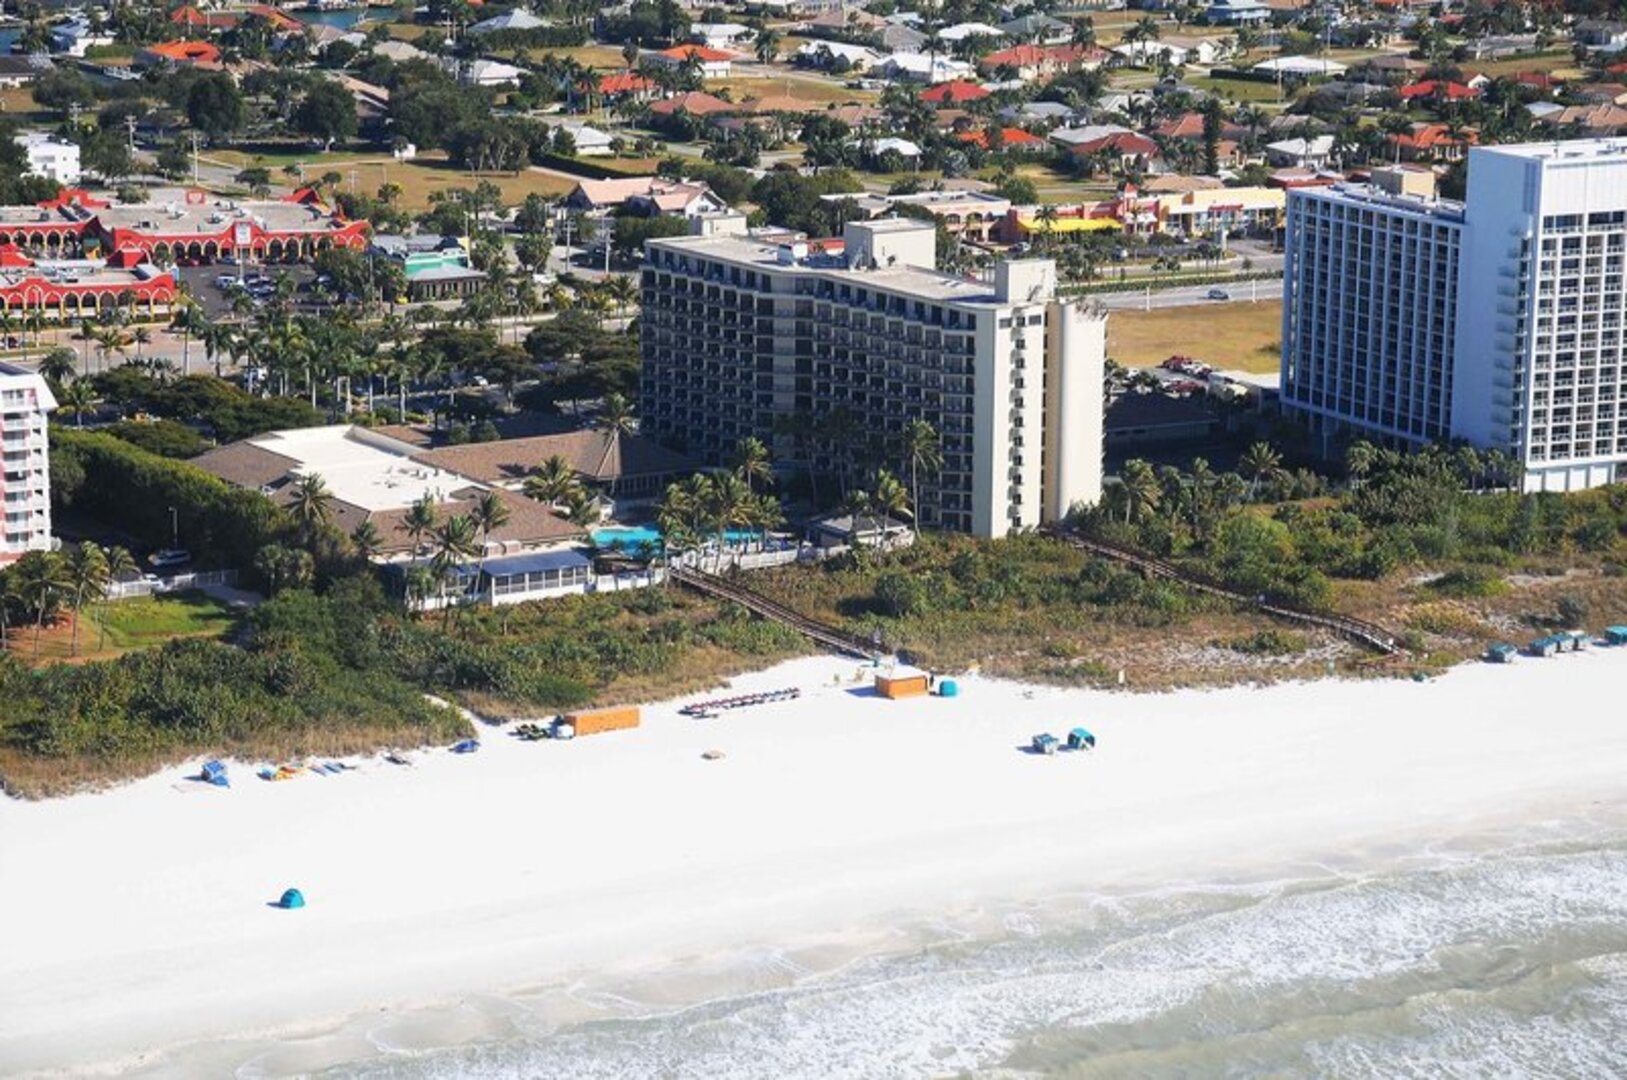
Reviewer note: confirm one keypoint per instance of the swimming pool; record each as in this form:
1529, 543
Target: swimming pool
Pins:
633, 537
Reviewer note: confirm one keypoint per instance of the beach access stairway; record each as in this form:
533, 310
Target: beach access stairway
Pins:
723, 589
1366, 634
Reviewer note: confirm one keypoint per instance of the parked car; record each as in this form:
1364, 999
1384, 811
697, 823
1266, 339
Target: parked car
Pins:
1219, 294
168, 558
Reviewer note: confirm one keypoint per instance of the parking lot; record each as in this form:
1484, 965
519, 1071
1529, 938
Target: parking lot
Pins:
213, 288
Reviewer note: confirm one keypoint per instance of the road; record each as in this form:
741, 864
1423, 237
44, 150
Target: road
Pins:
1239, 292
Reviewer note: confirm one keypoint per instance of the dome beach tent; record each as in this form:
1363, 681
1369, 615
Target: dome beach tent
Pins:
291, 898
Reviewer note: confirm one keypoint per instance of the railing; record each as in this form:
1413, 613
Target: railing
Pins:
121, 590
824, 634
1362, 632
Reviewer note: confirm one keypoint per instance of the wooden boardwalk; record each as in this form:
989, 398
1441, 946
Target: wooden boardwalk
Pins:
825, 634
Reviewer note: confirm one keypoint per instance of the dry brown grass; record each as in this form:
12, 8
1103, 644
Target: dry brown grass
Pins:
1239, 336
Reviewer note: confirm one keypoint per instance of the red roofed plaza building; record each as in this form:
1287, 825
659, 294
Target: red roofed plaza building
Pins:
197, 226
81, 288
191, 225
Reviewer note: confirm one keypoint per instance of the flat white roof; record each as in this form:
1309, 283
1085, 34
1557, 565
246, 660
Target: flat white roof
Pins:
363, 468
1565, 150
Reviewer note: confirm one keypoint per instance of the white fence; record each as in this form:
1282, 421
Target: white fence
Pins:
148, 586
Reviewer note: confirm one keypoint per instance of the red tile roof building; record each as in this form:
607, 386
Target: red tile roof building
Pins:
958, 92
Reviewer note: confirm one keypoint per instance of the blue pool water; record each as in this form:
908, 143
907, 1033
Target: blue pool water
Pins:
637, 536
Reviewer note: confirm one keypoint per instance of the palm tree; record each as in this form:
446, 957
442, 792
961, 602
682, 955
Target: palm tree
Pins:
1141, 488
41, 581
311, 505
1360, 457
454, 542
419, 521
366, 540
57, 366
87, 569
121, 565
79, 398
490, 512
727, 508
552, 482
1046, 216
751, 462
768, 45
889, 499
923, 451
142, 337
622, 291
1260, 463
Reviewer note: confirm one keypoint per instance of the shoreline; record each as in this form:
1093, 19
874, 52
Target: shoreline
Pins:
143, 926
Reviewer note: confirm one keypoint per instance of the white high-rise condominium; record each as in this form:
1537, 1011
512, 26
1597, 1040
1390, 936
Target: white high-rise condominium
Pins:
24, 402
1497, 320
829, 351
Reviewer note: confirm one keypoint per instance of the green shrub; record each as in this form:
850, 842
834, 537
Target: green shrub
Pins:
1470, 582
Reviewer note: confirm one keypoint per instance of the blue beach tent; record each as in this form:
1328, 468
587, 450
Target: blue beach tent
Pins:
1080, 739
214, 772
467, 746
291, 898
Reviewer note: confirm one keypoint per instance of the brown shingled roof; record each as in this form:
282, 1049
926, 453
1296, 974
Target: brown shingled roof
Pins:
244, 464
529, 523
590, 453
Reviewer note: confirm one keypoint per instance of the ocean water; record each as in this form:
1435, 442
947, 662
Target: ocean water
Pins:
1501, 957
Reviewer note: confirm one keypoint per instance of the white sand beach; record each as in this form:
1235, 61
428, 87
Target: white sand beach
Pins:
138, 920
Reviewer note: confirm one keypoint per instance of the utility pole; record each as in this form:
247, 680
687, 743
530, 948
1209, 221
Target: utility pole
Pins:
194, 159
130, 129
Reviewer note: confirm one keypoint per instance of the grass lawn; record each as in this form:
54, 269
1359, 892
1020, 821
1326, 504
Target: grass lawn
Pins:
604, 58
1240, 336
1240, 89
419, 179
135, 623
802, 87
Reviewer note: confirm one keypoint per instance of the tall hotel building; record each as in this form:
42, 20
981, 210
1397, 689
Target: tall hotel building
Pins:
1497, 320
739, 332
24, 402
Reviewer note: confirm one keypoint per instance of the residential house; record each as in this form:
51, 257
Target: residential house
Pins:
1038, 28
590, 141
915, 67
1607, 35
720, 35
1129, 151
904, 148
836, 54
1432, 142
1303, 152
19, 71
1005, 140
400, 52
1037, 62
75, 35
713, 63
962, 31
647, 194
1436, 92
692, 102
51, 157
957, 92
1236, 12
1304, 67
493, 73
1593, 120
1600, 93
625, 86
177, 54
517, 20
897, 38
1203, 51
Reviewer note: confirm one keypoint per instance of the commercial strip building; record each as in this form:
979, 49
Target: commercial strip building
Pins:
1199, 212
1498, 320
25, 479
740, 334
182, 225
67, 290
